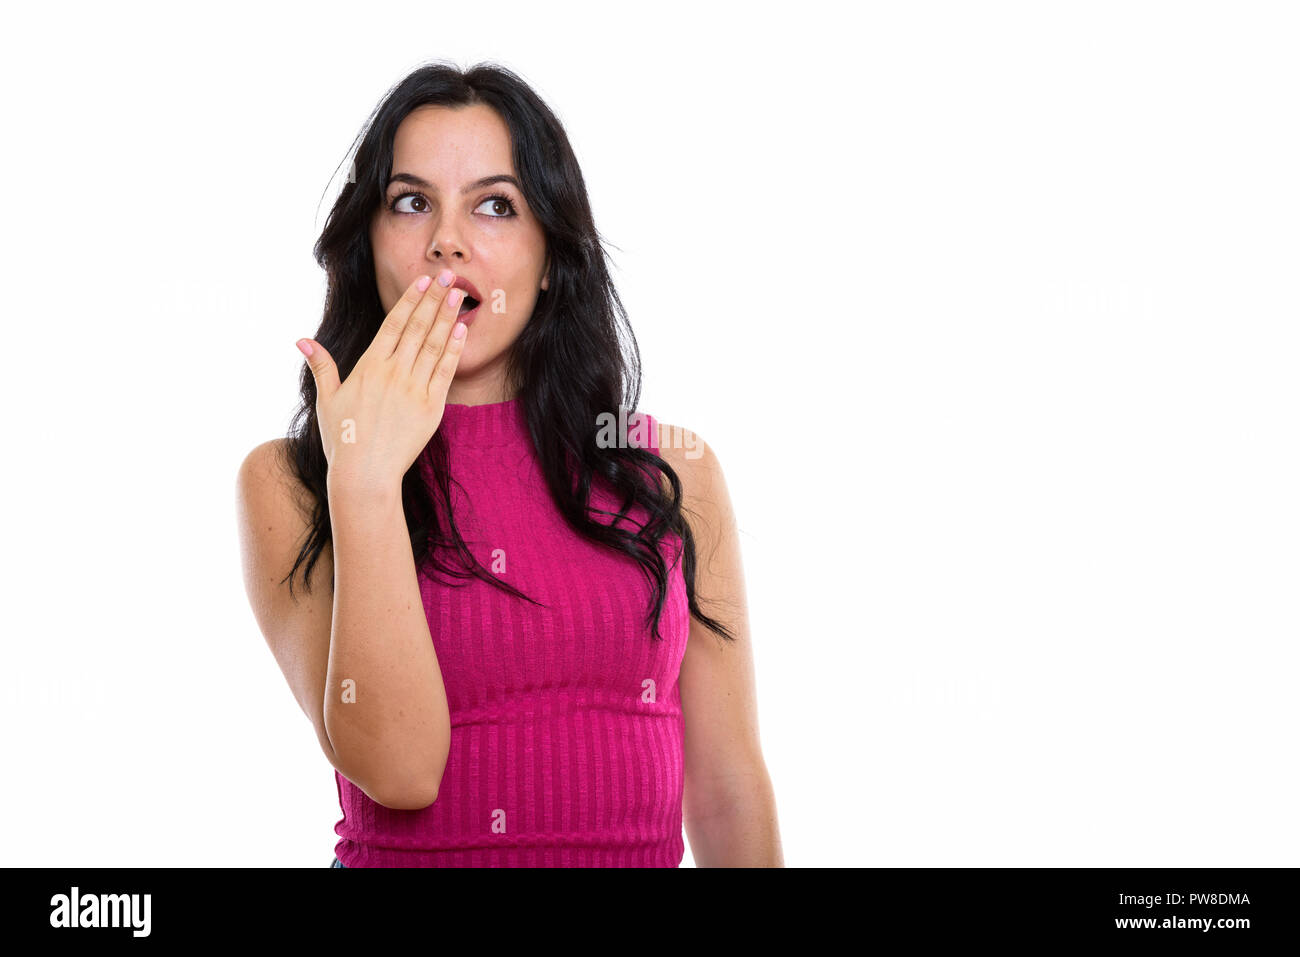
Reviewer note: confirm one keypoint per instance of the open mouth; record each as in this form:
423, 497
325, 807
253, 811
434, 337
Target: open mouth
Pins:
468, 305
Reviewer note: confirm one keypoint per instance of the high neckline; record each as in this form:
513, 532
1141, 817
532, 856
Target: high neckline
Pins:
484, 426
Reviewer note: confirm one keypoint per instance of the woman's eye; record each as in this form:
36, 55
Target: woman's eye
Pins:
397, 203
497, 207
501, 207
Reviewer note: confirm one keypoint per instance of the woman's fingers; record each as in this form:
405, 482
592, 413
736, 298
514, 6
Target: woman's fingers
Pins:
390, 332
436, 337
445, 370
323, 369
421, 320
417, 336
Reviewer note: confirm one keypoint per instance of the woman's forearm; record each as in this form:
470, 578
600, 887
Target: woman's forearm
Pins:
385, 704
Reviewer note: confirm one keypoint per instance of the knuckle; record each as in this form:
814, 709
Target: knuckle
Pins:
419, 324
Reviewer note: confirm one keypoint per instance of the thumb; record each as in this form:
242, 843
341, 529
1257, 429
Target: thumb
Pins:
323, 369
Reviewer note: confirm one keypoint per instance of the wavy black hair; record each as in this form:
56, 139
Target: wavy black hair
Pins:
562, 389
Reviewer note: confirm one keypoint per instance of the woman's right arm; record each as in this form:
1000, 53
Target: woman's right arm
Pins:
361, 662
389, 733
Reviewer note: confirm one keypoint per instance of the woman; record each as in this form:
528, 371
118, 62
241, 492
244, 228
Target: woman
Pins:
507, 648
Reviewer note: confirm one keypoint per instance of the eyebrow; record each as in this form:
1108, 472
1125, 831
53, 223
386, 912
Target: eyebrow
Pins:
414, 180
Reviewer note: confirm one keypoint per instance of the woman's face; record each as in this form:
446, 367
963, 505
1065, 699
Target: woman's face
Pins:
447, 221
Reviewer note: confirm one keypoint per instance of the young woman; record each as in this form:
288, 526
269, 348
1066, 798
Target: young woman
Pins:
520, 631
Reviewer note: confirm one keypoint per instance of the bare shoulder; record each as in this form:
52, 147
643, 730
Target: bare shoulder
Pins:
270, 460
689, 455
273, 510
704, 488
267, 481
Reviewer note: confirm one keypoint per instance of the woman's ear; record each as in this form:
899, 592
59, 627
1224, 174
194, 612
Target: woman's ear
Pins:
546, 275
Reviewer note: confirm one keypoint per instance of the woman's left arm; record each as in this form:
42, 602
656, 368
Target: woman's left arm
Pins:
728, 802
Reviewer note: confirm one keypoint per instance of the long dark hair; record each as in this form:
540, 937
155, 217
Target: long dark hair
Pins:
562, 390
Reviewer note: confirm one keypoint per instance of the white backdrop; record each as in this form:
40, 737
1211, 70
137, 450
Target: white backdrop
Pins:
989, 311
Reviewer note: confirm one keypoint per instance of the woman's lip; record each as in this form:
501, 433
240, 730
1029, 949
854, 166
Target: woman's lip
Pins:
468, 317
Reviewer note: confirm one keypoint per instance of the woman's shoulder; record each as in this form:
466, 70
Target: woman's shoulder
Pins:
705, 497
686, 452
268, 460
677, 444
267, 473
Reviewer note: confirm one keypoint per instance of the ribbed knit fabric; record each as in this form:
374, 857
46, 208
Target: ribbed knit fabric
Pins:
566, 721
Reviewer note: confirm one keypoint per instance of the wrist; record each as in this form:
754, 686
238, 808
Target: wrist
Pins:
344, 487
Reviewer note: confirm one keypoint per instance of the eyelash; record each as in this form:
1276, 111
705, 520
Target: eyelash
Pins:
392, 203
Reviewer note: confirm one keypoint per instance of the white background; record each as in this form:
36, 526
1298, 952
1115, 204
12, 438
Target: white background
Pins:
989, 311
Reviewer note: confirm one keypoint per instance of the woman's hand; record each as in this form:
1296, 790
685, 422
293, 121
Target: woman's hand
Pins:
374, 425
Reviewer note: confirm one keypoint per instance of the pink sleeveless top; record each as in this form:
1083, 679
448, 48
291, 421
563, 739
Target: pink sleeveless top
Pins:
566, 720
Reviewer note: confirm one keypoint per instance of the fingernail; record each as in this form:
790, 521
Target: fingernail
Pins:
458, 330
304, 347
423, 283
445, 277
